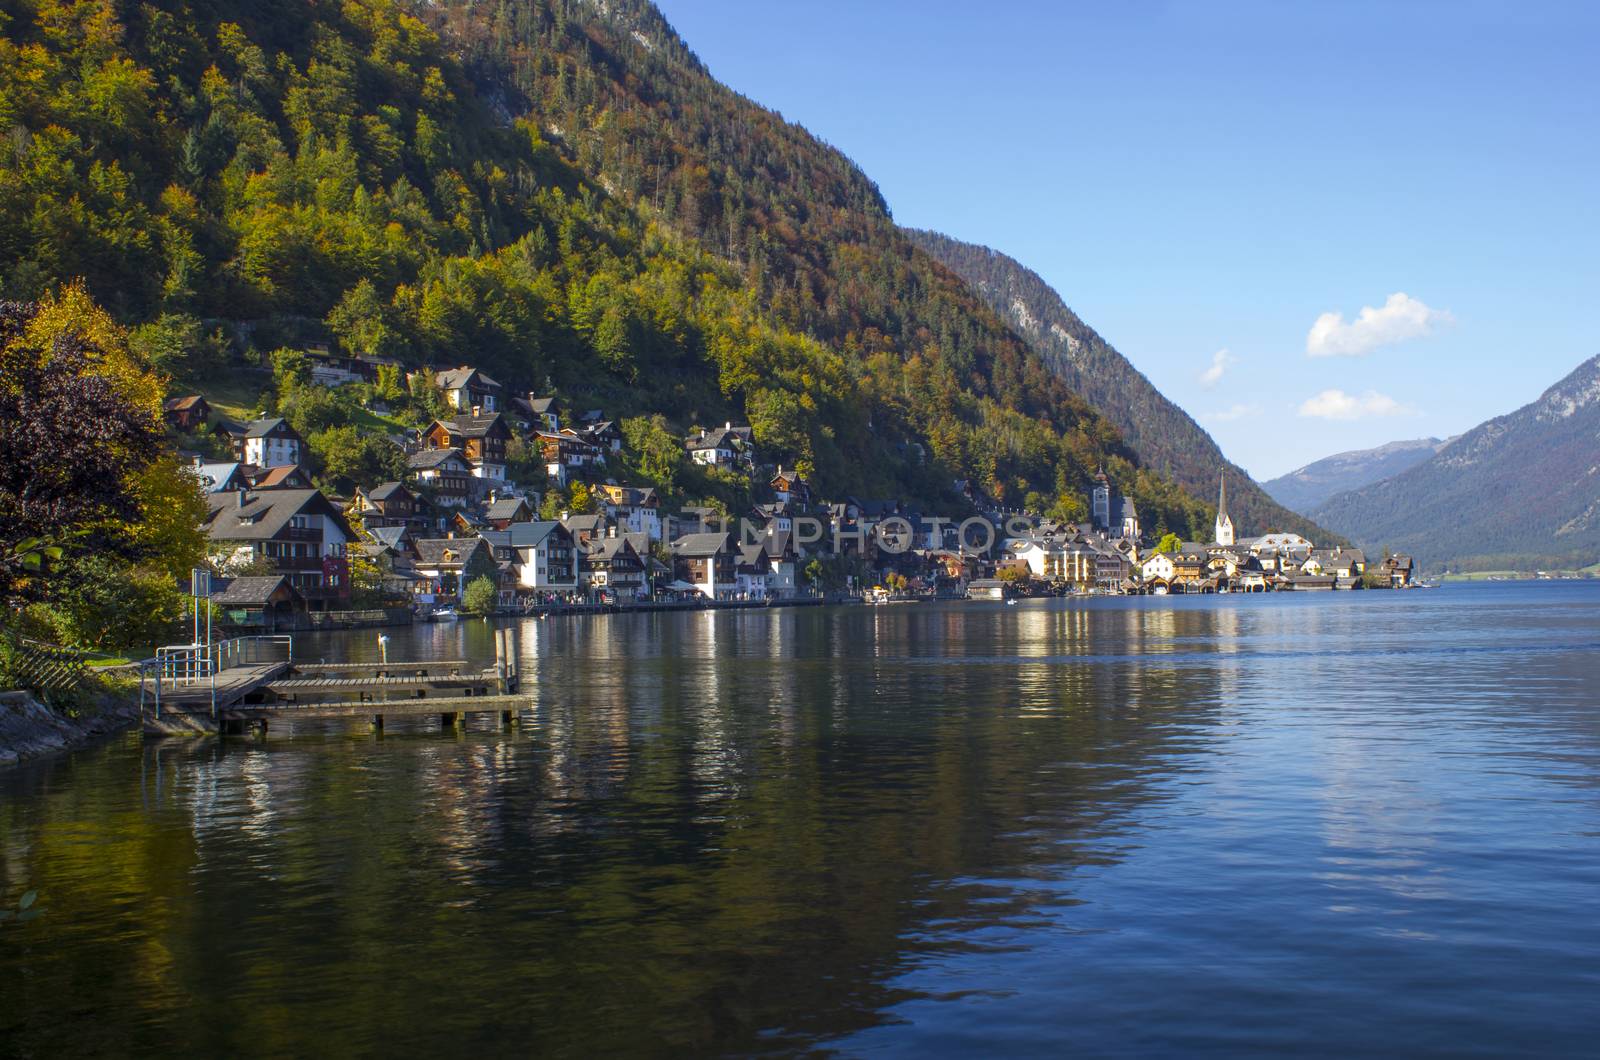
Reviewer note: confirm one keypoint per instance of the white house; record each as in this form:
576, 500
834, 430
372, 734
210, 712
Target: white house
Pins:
271, 443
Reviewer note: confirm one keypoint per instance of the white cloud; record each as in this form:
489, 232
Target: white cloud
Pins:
1337, 405
1235, 412
1219, 364
1402, 317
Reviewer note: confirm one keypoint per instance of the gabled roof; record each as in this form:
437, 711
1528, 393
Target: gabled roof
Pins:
432, 458
262, 428
470, 426
276, 477
446, 552
593, 522
387, 490
459, 378
542, 405
214, 477
636, 496
390, 537
252, 591
505, 508
606, 549
181, 404
701, 544
263, 515
754, 555
523, 535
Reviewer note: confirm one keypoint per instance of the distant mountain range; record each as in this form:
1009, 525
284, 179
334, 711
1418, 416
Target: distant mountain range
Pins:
1518, 492
1307, 488
1164, 436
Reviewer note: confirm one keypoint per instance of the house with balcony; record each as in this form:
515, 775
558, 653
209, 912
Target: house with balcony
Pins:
632, 509
469, 390
543, 557
297, 533
615, 569
501, 512
444, 473
567, 456
722, 446
480, 439
447, 565
790, 488
752, 572
390, 504
707, 561
268, 442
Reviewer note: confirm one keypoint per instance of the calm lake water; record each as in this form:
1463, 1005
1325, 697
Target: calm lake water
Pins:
1361, 822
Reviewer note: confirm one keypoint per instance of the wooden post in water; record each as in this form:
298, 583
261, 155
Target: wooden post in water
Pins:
500, 661
511, 658
377, 724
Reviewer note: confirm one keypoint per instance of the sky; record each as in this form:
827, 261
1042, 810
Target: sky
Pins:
1316, 227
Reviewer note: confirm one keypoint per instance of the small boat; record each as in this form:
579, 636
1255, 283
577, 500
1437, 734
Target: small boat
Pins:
1160, 590
444, 614
1011, 603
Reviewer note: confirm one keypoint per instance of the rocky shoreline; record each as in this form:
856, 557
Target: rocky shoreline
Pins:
29, 729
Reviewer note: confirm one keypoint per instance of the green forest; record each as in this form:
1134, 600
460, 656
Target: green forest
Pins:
557, 194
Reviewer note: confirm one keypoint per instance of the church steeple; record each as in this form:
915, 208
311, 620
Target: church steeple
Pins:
1224, 528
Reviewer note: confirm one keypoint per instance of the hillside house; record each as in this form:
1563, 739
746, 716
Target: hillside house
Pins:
632, 509
501, 512
707, 561
567, 456
616, 569
790, 488
269, 442
298, 533
534, 413
283, 477
220, 477
722, 446
480, 439
542, 555
445, 473
447, 565
470, 391
390, 504
186, 414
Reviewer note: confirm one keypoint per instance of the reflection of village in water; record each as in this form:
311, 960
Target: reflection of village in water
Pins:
812, 816
744, 770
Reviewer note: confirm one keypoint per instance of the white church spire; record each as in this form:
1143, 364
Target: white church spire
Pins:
1224, 530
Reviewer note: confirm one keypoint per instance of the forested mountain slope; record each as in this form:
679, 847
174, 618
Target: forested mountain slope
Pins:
554, 191
1306, 488
1519, 491
1164, 436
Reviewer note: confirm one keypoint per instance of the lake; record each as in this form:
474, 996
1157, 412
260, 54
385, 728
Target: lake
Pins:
1319, 823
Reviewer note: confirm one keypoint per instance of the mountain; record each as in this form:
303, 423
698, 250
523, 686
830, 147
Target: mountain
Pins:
556, 191
1163, 435
1306, 488
1519, 491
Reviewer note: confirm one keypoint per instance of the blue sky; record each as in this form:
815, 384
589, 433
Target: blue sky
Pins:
1195, 178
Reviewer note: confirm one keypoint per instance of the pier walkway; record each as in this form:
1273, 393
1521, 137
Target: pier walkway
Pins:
189, 691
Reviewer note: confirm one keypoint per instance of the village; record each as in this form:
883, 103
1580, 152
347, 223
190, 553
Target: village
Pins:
290, 555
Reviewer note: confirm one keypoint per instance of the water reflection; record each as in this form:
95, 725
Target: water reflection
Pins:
779, 829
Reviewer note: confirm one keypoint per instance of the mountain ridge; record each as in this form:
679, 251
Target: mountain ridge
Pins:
1522, 489
1164, 435
1306, 488
555, 190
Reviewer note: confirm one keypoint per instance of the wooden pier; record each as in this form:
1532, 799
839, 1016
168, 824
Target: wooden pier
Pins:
235, 698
